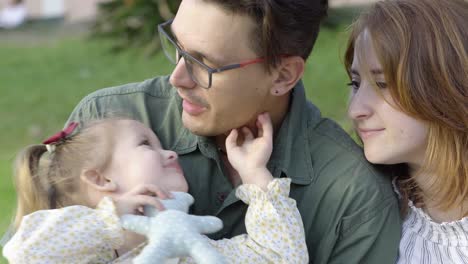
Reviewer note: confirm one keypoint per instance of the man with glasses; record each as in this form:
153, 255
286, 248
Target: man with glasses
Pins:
233, 61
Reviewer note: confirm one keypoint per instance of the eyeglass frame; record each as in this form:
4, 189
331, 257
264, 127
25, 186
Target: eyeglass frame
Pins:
185, 55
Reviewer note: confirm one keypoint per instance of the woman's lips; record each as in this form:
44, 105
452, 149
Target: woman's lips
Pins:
367, 133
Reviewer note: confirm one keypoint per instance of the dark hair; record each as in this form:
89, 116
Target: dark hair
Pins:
283, 27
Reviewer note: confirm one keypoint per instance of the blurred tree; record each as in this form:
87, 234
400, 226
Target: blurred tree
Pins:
133, 23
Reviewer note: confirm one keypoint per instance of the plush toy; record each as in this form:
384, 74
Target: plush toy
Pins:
174, 233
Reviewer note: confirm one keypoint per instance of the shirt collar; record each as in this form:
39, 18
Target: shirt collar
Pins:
291, 152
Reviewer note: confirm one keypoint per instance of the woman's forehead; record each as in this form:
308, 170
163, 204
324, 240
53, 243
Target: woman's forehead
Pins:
364, 53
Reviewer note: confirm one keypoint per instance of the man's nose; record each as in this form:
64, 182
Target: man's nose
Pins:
180, 77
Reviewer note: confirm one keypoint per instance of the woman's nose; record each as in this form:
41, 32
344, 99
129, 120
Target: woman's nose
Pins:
360, 104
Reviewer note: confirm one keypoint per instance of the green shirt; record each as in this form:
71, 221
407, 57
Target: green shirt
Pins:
348, 208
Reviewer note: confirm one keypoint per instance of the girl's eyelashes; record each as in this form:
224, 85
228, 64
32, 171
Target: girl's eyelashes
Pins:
145, 142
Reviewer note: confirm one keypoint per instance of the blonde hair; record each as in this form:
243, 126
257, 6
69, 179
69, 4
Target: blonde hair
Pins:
51, 180
422, 46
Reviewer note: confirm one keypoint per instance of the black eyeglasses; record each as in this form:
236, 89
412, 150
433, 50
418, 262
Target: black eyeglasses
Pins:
199, 72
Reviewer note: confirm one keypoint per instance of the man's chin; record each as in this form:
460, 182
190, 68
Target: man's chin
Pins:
195, 126
198, 126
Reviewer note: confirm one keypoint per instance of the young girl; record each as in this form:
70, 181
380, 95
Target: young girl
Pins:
117, 166
408, 64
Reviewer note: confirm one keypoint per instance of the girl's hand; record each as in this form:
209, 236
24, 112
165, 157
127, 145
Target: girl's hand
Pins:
250, 158
132, 202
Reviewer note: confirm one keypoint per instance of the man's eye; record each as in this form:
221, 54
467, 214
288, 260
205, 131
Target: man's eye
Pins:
209, 63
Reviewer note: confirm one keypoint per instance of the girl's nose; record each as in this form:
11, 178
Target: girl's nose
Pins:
169, 155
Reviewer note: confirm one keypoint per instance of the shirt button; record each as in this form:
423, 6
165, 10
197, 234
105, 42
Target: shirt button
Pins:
221, 196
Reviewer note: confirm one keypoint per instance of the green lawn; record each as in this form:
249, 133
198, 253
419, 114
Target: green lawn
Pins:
41, 83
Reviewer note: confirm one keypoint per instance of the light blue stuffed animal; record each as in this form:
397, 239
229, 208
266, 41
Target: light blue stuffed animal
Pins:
173, 233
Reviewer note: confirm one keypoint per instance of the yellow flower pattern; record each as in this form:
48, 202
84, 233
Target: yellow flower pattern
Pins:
274, 227
78, 234
74, 234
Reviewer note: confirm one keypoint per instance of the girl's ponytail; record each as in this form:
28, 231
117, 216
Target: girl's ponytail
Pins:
30, 180
52, 180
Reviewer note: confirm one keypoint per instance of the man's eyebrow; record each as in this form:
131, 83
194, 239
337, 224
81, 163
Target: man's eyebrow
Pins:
203, 55
196, 54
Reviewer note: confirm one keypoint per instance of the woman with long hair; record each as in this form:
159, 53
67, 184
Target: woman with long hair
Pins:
408, 65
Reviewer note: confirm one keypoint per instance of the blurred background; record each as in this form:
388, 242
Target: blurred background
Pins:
54, 52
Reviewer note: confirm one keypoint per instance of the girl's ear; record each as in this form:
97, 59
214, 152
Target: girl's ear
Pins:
96, 180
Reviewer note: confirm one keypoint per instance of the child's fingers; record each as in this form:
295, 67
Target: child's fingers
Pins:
160, 193
141, 200
138, 189
266, 126
247, 134
151, 189
231, 140
259, 128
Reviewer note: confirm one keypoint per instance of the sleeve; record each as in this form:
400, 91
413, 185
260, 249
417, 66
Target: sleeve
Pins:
74, 234
275, 233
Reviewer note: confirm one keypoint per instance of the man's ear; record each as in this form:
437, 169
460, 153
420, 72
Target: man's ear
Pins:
96, 180
289, 72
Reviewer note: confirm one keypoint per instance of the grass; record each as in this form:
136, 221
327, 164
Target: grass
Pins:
41, 82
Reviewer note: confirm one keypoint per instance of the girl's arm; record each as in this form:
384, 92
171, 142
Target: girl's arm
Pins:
74, 234
79, 234
275, 232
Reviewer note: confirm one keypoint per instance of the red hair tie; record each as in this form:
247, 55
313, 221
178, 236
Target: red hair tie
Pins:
62, 135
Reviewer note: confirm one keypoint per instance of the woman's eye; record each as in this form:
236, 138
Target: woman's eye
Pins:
354, 85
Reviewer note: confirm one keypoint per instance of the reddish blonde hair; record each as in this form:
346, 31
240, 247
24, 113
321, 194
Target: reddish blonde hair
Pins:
422, 46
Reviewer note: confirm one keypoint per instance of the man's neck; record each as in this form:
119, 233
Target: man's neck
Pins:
277, 114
